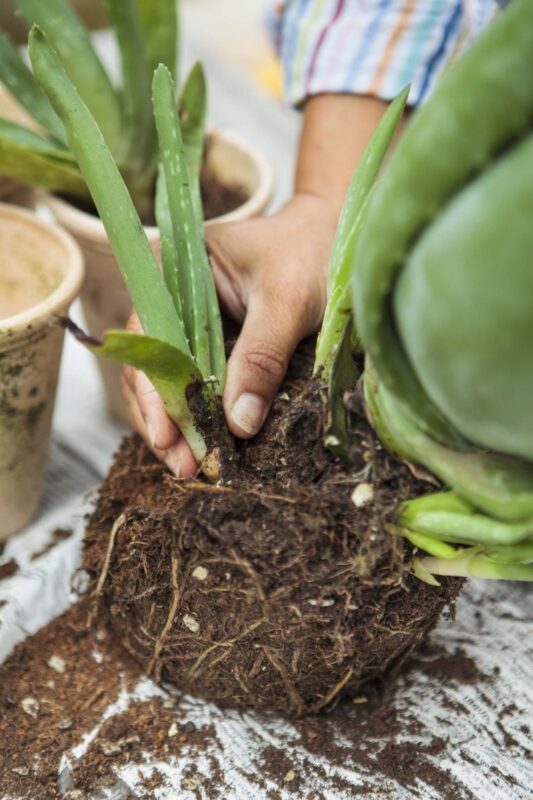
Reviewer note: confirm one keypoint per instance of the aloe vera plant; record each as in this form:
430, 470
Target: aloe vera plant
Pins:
147, 34
442, 292
183, 343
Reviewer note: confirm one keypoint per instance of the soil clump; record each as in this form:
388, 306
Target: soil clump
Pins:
271, 589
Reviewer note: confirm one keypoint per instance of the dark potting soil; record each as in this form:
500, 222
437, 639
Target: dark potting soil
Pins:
56, 685
270, 589
217, 198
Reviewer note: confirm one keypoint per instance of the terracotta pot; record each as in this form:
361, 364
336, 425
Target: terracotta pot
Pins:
91, 12
105, 300
42, 272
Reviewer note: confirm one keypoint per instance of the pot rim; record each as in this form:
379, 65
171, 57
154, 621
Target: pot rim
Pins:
68, 288
84, 224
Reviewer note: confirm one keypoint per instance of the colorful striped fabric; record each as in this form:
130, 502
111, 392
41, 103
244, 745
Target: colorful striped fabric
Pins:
373, 47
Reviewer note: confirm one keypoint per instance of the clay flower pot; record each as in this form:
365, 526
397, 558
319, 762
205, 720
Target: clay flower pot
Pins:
42, 272
104, 297
91, 12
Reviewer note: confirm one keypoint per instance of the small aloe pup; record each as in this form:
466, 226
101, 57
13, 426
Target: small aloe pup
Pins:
443, 295
147, 34
178, 308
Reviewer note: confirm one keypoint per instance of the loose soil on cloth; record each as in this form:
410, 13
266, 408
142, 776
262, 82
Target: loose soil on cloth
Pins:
56, 686
270, 589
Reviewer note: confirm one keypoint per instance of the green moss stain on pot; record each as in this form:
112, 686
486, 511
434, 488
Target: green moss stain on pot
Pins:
22, 406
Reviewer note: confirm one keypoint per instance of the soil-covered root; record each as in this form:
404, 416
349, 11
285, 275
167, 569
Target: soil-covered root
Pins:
274, 590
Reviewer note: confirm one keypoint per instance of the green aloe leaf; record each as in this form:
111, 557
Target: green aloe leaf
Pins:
498, 485
171, 370
192, 110
138, 131
138, 265
205, 336
29, 159
21, 83
24, 137
480, 107
466, 323
160, 24
71, 41
470, 563
338, 306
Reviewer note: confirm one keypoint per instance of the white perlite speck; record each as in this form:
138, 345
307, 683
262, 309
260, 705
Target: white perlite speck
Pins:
30, 706
57, 664
362, 494
191, 623
200, 573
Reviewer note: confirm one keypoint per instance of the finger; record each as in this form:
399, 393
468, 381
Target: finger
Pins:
178, 457
161, 431
272, 329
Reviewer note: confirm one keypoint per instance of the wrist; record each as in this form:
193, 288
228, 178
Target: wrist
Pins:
315, 207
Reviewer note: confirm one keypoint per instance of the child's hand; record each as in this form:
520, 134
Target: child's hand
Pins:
271, 276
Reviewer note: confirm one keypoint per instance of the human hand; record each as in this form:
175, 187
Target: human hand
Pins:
270, 275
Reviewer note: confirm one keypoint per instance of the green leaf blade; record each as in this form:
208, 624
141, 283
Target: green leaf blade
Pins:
338, 307
130, 245
32, 164
21, 83
138, 134
71, 41
206, 339
171, 370
160, 24
193, 110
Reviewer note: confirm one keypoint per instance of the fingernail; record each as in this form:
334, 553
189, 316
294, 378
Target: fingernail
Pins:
249, 412
172, 461
151, 432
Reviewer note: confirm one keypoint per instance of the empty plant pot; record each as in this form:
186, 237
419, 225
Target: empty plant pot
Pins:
41, 273
232, 163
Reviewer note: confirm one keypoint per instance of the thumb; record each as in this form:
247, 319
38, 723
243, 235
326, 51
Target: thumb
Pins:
259, 360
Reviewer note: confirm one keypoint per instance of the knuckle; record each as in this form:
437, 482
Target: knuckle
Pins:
268, 360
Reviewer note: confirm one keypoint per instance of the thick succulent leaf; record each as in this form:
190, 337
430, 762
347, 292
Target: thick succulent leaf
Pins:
192, 110
498, 485
159, 21
342, 380
482, 105
470, 563
202, 325
463, 305
348, 231
71, 41
24, 137
138, 135
171, 371
27, 158
464, 528
169, 253
21, 83
138, 265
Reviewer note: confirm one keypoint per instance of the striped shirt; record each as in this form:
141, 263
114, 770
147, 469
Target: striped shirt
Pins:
373, 47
